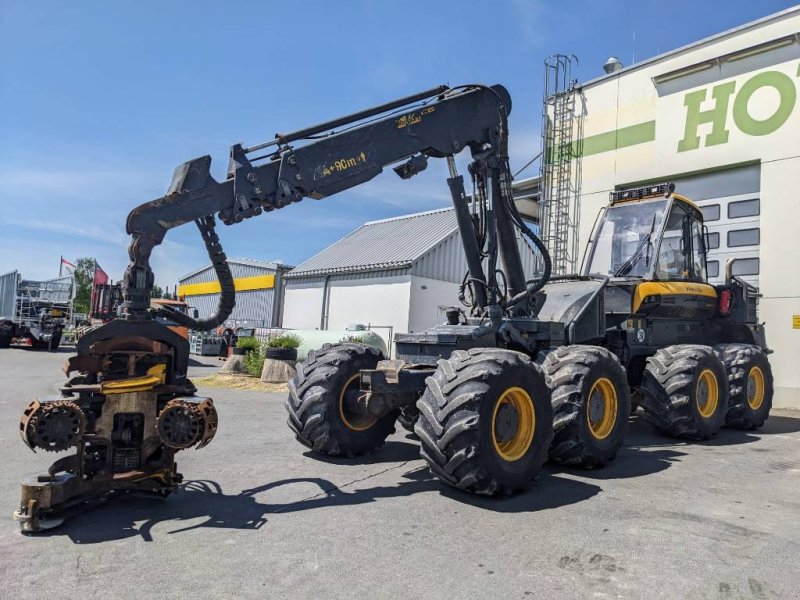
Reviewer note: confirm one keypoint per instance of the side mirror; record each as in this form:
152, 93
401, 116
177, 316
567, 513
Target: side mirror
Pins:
195, 313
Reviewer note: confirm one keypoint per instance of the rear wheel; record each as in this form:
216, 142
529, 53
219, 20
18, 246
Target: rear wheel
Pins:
5, 341
591, 404
485, 422
750, 385
685, 391
322, 397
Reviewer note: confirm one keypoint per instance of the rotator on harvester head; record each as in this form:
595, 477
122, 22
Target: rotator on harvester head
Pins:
132, 406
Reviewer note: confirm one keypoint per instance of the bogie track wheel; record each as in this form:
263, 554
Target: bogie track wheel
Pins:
685, 391
485, 421
321, 402
591, 404
750, 385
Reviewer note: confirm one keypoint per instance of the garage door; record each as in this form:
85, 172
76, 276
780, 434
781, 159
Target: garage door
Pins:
731, 205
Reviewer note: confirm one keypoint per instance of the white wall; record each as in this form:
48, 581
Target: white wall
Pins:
377, 301
302, 305
780, 274
429, 299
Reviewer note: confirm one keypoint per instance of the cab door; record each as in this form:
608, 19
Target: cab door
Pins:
679, 288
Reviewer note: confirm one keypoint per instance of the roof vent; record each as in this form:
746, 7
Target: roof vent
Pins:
612, 65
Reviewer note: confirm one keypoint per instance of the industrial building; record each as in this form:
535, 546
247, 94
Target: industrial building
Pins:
720, 119
258, 291
401, 273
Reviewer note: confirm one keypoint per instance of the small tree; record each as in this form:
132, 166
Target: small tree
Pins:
84, 277
156, 292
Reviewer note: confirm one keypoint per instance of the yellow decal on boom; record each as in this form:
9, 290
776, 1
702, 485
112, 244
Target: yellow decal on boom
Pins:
414, 118
343, 164
662, 288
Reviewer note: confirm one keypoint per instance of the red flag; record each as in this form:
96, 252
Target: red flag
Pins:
100, 276
65, 263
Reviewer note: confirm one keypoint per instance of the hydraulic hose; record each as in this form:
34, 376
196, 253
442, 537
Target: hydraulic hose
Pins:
534, 285
227, 296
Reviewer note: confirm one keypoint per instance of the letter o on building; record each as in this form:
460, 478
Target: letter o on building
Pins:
787, 92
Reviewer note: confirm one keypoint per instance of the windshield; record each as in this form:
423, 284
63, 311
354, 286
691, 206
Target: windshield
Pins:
624, 240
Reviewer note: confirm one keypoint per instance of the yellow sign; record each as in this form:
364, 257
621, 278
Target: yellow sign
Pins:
242, 284
795, 321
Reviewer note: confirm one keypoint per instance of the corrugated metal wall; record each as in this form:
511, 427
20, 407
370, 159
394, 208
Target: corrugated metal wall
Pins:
8, 294
446, 261
297, 281
255, 306
237, 269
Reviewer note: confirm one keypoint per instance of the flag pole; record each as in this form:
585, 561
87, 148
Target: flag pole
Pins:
60, 265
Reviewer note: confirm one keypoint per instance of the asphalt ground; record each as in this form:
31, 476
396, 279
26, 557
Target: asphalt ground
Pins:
258, 517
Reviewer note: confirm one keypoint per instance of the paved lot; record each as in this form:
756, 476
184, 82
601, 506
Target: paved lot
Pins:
258, 518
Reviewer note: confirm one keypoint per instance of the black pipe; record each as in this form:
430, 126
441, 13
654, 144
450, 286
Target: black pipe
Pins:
364, 114
227, 296
507, 239
468, 239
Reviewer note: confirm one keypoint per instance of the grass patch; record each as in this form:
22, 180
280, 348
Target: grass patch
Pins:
238, 382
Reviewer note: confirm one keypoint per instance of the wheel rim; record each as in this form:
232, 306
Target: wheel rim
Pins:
601, 408
755, 388
707, 393
352, 420
513, 424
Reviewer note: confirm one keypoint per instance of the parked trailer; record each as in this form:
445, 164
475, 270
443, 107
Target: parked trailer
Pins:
33, 313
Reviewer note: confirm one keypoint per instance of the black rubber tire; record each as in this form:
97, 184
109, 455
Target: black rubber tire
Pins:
280, 353
5, 341
739, 360
669, 391
313, 401
455, 425
571, 373
54, 343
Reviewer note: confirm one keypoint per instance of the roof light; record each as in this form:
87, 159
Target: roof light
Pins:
648, 191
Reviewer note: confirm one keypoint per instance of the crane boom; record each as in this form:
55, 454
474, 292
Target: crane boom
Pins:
317, 162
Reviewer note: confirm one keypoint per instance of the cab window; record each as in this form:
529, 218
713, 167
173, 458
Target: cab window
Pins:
682, 256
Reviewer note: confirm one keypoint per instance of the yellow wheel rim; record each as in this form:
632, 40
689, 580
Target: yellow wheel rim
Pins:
755, 388
707, 393
601, 408
513, 424
353, 420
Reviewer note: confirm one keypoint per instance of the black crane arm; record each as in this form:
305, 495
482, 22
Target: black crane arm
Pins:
436, 123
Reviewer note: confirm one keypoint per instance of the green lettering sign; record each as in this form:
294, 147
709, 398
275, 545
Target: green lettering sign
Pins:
717, 116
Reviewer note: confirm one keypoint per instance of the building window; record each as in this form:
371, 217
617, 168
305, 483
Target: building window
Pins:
744, 208
713, 268
744, 237
746, 266
710, 212
713, 241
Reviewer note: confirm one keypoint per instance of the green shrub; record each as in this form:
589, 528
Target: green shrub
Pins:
248, 343
286, 340
253, 361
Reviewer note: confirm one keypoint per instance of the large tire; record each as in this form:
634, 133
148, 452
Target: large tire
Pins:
750, 385
485, 422
591, 405
317, 402
5, 341
685, 391
54, 343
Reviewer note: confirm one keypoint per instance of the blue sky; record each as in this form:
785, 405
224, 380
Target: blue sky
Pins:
99, 101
